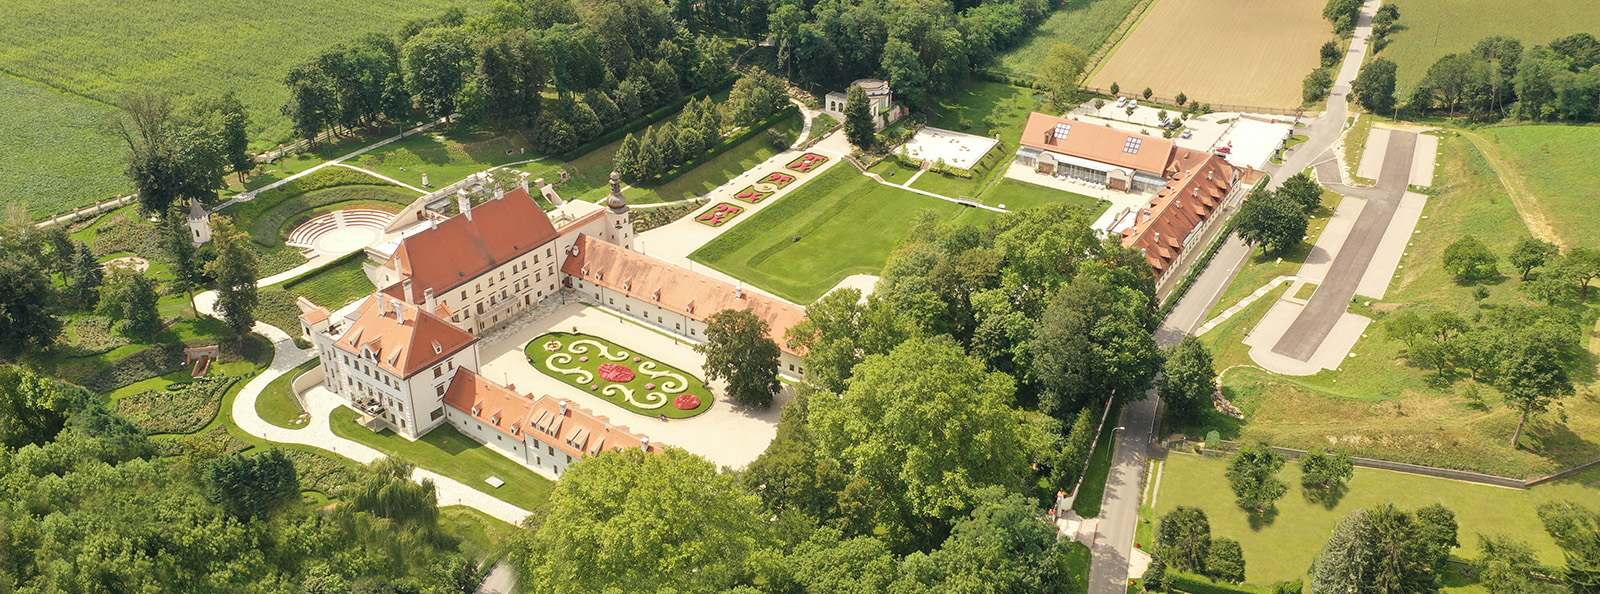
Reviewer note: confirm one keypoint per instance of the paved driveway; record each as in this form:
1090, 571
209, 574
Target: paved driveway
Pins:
727, 435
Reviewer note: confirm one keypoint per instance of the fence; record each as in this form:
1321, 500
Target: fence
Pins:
87, 211
1171, 103
1417, 469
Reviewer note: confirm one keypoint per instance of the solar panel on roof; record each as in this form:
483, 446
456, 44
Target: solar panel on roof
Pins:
1132, 146
1061, 130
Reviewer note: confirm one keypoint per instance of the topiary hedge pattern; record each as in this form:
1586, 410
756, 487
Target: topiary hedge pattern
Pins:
182, 411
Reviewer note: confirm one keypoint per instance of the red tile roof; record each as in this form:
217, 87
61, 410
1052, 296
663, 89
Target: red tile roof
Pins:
403, 346
570, 428
1098, 143
460, 249
677, 289
1187, 201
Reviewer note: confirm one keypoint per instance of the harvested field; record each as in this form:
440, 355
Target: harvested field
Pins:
1430, 29
1222, 52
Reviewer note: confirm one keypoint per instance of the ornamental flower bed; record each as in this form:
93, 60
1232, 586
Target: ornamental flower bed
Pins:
807, 162
719, 214
619, 375
185, 410
779, 179
752, 195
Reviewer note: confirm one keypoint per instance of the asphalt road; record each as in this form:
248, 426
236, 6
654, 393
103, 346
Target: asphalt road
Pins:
1328, 304
1119, 510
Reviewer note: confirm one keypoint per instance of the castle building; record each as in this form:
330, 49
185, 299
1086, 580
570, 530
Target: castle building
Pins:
407, 356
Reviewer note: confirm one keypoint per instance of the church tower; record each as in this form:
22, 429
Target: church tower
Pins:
619, 221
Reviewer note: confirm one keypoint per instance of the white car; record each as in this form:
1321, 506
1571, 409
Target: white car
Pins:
1122, 102
1187, 133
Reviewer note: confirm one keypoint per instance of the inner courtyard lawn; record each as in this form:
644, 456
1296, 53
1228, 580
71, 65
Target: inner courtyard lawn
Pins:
1019, 195
1560, 164
1378, 404
1284, 548
837, 224
650, 387
446, 451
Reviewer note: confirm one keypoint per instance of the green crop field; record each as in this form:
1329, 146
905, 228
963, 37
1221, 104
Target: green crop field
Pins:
1430, 29
838, 224
1284, 548
1561, 169
52, 155
1084, 23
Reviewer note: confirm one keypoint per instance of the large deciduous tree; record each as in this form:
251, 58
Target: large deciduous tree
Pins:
1226, 561
1183, 539
1191, 379
27, 298
738, 350
433, 65
1468, 259
168, 159
1006, 545
1090, 344
234, 272
1531, 373
648, 522
384, 489
33, 408
1253, 476
1273, 221
1374, 86
1577, 530
928, 427
839, 331
251, 486
1059, 72
1302, 189
1529, 254
131, 297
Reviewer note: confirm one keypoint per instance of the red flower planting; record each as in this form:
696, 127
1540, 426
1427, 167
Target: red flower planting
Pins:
752, 195
616, 373
807, 162
722, 213
687, 402
778, 178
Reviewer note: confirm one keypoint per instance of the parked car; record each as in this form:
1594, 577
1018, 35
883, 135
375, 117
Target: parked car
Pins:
1187, 133
1122, 102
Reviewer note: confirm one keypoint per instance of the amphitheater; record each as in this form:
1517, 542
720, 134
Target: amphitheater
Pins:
341, 231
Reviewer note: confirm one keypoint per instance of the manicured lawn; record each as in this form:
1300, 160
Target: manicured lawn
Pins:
650, 387
52, 156
892, 171
1431, 29
1019, 195
1378, 404
277, 404
446, 156
446, 451
1284, 549
1355, 145
273, 227
1563, 169
1084, 23
838, 224
1078, 559
992, 165
988, 109
482, 536
332, 286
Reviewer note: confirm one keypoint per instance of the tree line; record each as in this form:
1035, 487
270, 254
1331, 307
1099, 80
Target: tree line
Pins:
1498, 78
699, 128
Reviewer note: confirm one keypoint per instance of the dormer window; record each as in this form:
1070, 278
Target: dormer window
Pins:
656, 296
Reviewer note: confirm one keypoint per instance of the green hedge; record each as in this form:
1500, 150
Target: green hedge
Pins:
1194, 584
270, 228
723, 146
646, 120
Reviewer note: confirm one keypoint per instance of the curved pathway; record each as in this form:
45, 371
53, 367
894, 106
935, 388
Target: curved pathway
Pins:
318, 433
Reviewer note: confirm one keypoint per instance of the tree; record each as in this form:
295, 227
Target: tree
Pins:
1226, 561
251, 486
1075, 451
1155, 576
167, 160
1505, 565
1342, 13
1330, 54
1316, 85
1252, 474
1058, 74
234, 271
1529, 254
737, 350
634, 510
829, 562
1271, 221
929, 428
1191, 380
1004, 546
433, 65
384, 489
232, 128
755, 97
1468, 259
61, 250
131, 297
1374, 86
1147, 93
1090, 344
87, 276
1530, 373
1182, 99
860, 126
311, 105
1585, 265
1324, 476
1437, 530
26, 301
33, 408
1183, 539
1376, 550
180, 251
839, 331
1301, 189
1576, 529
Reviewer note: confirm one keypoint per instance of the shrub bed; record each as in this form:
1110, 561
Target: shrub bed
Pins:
126, 231
94, 336
318, 472
620, 376
752, 195
807, 162
645, 219
217, 440
182, 411
101, 376
720, 214
277, 308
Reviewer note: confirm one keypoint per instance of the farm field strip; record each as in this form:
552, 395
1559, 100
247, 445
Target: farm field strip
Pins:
1252, 52
1430, 29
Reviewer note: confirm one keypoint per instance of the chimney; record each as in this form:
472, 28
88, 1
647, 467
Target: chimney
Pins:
739, 290
499, 192
563, 408
464, 203
1158, 237
399, 313
432, 304
644, 443
383, 307
405, 286
1208, 175
524, 182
